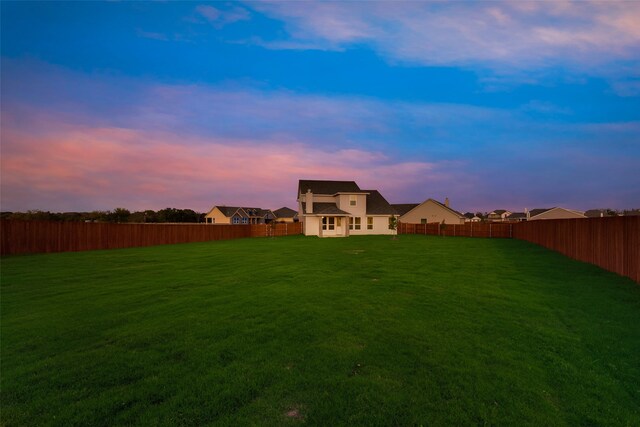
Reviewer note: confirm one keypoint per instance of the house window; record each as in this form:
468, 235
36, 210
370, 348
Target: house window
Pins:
353, 201
236, 220
354, 223
211, 220
328, 223
369, 223
245, 220
423, 221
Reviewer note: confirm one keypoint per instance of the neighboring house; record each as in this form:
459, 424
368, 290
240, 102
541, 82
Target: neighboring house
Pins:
341, 208
238, 215
402, 209
471, 217
516, 217
599, 213
429, 211
553, 213
498, 215
285, 214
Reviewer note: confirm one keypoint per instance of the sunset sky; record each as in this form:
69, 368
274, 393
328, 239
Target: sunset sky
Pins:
494, 105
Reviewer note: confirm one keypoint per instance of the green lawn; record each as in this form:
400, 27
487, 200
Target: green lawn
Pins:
359, 331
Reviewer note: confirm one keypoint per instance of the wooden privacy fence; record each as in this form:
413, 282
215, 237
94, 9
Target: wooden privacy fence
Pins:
610, 243
468, 229
19, 237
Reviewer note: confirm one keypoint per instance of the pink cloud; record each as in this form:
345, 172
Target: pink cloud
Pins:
83, 168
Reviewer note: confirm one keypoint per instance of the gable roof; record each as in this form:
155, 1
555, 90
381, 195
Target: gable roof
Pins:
446, 207
517, 215
538, 211
327, 187
403, 208
230, 211
285, 212
453, 211
377, 204
498, 212
227, 211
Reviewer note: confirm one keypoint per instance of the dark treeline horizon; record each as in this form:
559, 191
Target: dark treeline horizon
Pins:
117, 215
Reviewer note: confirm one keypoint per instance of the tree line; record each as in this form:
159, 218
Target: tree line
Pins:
117, 215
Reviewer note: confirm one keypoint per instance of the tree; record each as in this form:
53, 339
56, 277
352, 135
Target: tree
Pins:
393, 225
118, 215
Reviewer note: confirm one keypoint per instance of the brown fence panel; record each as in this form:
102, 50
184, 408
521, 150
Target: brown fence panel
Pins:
611, 243
276, 230
468, 229
19, 237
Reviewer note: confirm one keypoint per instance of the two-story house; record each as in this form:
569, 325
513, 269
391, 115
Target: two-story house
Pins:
341, 208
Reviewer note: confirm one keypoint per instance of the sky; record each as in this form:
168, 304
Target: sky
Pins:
148, 105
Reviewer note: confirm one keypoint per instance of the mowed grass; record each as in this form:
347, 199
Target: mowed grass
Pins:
286, 331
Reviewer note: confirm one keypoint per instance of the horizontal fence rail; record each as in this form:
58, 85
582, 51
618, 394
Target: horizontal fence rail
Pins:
21, 237
610, 243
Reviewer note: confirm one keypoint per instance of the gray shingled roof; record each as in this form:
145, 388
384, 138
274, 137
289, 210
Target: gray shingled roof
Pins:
534, 212
285, 212
517, 215
403, 208
328, 187
325, 209
377, 204
228, 210
499, 211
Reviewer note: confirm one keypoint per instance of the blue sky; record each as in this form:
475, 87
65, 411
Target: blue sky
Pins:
148, 105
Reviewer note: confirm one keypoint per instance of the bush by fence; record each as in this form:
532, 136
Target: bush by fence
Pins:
610, 243
19, 237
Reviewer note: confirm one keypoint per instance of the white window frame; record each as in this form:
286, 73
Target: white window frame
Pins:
353, 200
328, 223
369, 223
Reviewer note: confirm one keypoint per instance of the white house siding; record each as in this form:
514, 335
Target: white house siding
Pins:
311, 225
343, 203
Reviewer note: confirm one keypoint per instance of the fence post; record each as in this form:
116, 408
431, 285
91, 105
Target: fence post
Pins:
489, 230
472, 229
511, 231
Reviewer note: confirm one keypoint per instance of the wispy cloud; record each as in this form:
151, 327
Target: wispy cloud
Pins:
151, 35
503, 36
221, 17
